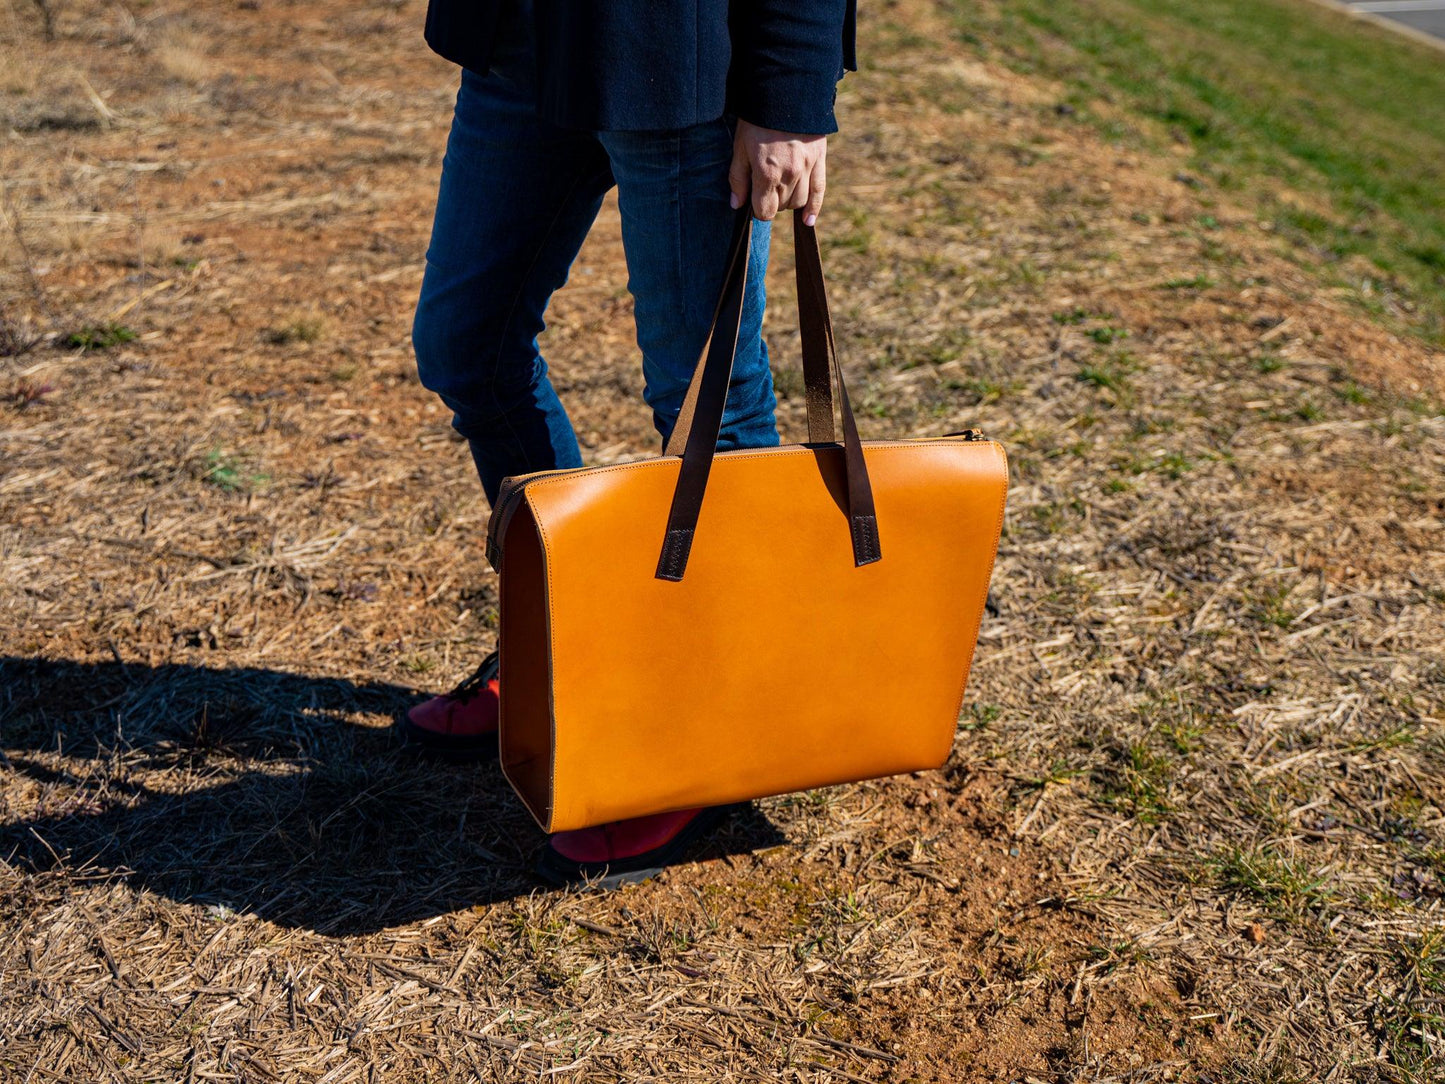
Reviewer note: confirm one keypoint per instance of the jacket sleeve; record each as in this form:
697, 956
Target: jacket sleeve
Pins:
787, 58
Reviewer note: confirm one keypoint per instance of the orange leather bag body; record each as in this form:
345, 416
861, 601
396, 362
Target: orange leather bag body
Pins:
712, 627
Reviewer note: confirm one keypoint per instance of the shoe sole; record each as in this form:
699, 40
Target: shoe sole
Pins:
562, 872
453, 748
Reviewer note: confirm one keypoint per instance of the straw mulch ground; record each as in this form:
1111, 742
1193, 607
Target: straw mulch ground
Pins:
1192, 827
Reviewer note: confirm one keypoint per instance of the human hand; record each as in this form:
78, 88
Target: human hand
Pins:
777, 171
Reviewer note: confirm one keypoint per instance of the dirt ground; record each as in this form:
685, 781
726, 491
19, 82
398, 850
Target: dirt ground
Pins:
1192, 826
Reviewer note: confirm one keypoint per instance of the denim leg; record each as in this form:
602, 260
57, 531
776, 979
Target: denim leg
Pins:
672, 190
516, 199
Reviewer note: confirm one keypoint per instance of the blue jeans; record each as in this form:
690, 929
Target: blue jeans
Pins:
517, 198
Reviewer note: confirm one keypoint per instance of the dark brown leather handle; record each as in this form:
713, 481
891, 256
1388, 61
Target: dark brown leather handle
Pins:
816, 328
702, 412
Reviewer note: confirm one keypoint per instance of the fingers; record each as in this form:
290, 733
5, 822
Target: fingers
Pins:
777, 171
767, 196
800, 194
775, 190
813, 204
740, 174
804, 193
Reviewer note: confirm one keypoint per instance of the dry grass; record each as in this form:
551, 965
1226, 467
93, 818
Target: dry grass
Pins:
1192, 826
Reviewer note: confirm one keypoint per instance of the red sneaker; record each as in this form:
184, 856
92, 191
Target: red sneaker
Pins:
625, 851
461, 724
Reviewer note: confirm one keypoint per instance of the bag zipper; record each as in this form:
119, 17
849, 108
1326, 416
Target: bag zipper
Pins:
508, 498
513, 488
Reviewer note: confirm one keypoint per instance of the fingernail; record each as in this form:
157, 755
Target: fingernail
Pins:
734, 201
810, 220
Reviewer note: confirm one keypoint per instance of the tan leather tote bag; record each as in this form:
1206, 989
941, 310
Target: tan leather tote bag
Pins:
711, 627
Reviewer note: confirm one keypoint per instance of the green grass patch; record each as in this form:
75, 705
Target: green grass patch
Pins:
980, 716
1136, 781
1270, 606
1107, 375
100, 336
979, 389
1107, 334
1351, 392
1416, 1008
227, 471
1197, 282
1284, 884
1269, 96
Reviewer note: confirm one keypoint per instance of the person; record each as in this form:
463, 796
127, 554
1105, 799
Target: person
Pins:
692, 109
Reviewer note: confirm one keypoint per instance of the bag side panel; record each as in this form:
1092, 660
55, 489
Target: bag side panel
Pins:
526, 738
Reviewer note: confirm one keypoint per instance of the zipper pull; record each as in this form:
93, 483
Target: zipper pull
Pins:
968, 434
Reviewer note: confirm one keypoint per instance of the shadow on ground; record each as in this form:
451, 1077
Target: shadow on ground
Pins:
262, 792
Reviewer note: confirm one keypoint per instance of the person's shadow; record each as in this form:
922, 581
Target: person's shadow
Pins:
262, 792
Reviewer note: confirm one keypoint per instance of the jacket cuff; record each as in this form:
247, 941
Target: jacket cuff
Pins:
786, 101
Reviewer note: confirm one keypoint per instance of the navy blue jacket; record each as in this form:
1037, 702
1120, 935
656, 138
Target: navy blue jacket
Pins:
635, 65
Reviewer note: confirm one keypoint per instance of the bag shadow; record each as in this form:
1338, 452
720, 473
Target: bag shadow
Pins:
264, 792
